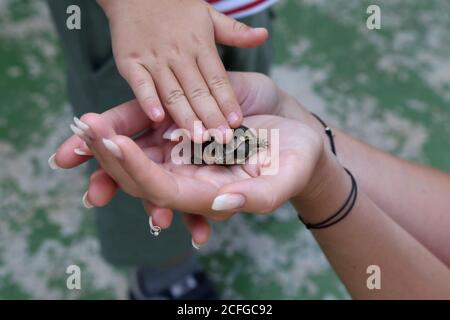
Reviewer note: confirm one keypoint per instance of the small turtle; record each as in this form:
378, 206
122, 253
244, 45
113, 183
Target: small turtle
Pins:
244, 144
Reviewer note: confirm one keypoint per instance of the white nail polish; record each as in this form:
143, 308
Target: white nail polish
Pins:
112, 147
80, 152
52, 162
154, 230
228, 201
195, 245
80, 133
86, 202
80, 124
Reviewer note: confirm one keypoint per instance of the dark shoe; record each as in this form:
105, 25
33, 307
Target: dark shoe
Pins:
195, 286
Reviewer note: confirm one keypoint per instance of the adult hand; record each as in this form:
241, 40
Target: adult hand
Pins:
256, 94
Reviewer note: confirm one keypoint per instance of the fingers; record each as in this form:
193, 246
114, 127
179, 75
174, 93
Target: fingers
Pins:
101, 190
158, 185
216, 77
161, 217
141, 82
264, 193
233, 33
155, 182
177, 104
199, 228
70, 154
201, 100
256, 93
127, 119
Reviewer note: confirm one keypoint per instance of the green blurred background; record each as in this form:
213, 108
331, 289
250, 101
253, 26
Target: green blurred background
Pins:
390, 87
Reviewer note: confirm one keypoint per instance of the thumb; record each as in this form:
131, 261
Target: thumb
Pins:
230, 32
261, 194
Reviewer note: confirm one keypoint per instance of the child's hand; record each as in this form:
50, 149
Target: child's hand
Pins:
166, 51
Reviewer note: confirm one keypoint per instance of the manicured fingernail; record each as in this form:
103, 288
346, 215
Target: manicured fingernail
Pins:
156, 113
86, 203
52, 162
80, 152
195, 245
154, 230
228, 201
80, 124
80, 133
233, 118
112, 147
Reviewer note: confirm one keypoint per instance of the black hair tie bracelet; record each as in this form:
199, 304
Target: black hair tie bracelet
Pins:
347, 207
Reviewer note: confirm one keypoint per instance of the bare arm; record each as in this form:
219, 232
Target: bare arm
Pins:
368, 236
414, 196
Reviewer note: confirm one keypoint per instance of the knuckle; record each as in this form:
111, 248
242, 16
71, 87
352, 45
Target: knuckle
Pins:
200, 93
174, 97
141, 83
196, 40
218, 81
239, 26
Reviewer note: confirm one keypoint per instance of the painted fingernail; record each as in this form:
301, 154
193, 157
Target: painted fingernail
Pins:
86, 203
195, 245
112, 147
228, 201
156, 113
80, 152
80, 133
154, 230
233, 118
52, 162
80, 124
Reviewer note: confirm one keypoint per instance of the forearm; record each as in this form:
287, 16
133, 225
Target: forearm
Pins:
367, 236
414, 196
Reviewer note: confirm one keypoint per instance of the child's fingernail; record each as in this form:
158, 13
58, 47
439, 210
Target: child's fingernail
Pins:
154, 230
156, 113
228, 201
233, 118
86, 203
52, 162
258, 29
168, 133
112, 147
195, 245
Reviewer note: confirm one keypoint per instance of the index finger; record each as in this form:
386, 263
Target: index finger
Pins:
126, 119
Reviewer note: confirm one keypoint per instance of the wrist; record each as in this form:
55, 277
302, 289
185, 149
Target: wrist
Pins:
328, 189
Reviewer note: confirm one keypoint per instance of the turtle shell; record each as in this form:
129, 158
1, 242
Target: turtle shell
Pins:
243, 144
